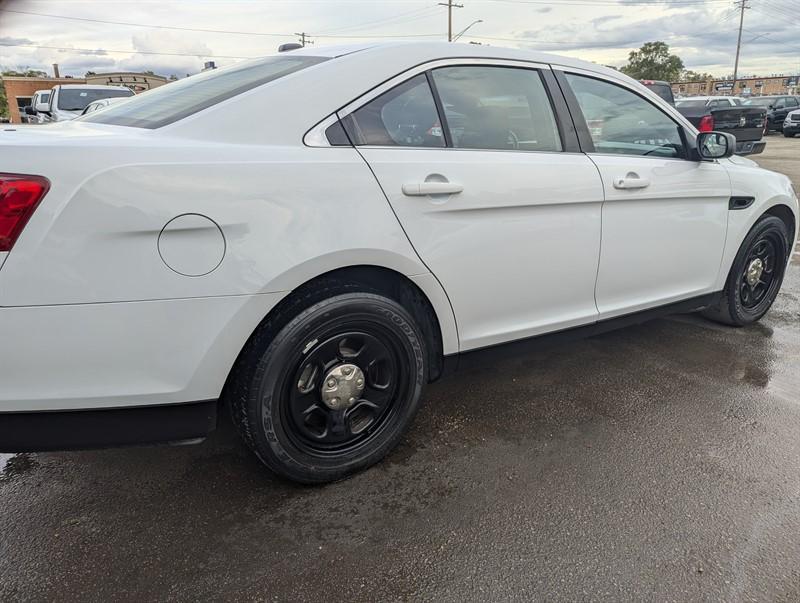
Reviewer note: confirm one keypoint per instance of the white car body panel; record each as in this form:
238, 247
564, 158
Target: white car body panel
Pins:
664, 242
485, 239
99, 320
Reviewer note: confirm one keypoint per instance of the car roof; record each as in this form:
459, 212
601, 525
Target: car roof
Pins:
446, 50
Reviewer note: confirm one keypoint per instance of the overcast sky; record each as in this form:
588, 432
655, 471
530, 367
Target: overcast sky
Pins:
702, 32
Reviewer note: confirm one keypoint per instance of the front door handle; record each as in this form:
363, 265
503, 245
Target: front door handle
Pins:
631, 181
417, 189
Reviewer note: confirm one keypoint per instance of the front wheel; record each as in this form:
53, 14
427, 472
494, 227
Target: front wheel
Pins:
756, 275
788, 134
334, 390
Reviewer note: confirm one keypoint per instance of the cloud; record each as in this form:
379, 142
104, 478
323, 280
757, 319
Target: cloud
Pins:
9, 41
166, 41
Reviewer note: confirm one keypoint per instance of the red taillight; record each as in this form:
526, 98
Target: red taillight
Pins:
19, 196
706, 123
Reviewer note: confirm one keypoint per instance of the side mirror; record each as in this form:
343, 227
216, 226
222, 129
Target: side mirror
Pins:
42, 107
715, 145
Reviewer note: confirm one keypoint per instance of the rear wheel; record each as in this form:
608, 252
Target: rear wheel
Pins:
333, 390
756, 275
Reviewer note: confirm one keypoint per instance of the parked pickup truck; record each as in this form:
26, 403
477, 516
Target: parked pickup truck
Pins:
727, 114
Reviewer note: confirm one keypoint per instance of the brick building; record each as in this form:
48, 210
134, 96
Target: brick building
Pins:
746, 86
19, 90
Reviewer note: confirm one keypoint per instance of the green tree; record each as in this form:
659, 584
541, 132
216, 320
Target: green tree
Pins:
695, 76
653, 61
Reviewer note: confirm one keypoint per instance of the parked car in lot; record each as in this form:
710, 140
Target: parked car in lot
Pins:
663, 89
777, 108
791, 125
39, 99
102, 103
312, 270
67, 101
727, 114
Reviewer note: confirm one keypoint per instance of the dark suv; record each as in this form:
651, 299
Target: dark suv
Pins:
777, 108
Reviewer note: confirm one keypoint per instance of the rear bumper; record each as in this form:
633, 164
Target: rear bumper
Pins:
119, 355
75, 430
750, 147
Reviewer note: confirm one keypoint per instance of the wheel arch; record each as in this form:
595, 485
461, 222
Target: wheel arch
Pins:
421, 295
785, 213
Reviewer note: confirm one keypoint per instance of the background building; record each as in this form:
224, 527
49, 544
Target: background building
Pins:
20, 89
746, 86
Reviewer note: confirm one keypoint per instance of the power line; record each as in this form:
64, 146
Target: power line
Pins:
619, 4
129, 24
101, 51
743, 6
304, 38
450, 6
393, 19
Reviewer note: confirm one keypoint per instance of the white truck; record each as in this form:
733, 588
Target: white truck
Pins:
67, 101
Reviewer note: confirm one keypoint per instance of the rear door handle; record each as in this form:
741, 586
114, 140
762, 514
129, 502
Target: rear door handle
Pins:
417, 189
631, 181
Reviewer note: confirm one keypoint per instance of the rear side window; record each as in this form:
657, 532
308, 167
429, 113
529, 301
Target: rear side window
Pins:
171, 102
500, 108
404, 116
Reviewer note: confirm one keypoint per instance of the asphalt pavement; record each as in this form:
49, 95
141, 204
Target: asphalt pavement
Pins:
658, 462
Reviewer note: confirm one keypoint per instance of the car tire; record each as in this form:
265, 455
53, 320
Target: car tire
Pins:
788, 134
755, 276
283, 398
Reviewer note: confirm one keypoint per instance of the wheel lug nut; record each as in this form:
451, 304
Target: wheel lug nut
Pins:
347, 370
331, 382
360, 382
351, 400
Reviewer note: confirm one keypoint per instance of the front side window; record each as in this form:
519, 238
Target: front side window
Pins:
791, 101
623, 123
176, 100
403, 116
500, 108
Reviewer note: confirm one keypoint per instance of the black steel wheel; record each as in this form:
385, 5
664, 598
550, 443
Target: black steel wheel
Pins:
756, 275
333, 390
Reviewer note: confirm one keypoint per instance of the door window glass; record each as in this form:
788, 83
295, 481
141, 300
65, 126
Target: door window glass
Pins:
791, 102
404, 116
623, 123
501, 108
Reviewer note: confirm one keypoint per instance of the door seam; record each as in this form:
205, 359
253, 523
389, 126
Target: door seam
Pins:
411, 243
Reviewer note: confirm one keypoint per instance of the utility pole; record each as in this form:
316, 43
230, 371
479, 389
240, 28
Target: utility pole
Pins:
450, 6
304, 38
743, 6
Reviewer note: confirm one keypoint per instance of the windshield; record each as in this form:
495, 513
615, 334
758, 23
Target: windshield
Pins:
690, 103
76, 99
761, 101
174, 101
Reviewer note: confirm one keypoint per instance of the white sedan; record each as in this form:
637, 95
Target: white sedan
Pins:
382, 212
